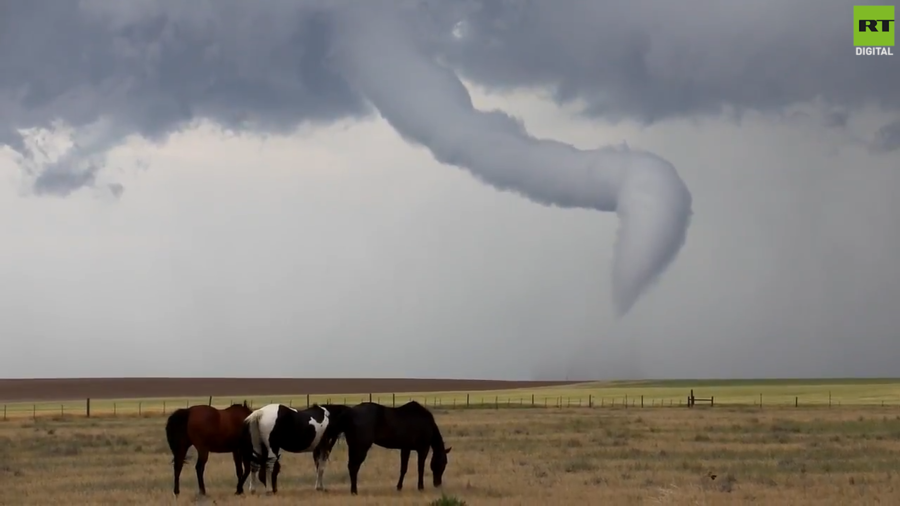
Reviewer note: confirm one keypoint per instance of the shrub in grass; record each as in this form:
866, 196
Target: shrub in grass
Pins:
447, 500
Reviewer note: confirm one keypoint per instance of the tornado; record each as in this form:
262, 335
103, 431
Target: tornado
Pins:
427, 104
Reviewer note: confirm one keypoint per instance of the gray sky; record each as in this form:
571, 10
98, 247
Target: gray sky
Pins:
212, 192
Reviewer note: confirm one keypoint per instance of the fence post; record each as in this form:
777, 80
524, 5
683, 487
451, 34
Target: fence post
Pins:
467, 400
87, 407
796, 401
590, 400
626, 400
210, 401
4, 412
642, 400
164, 407
394, 400
370, 397
532, 400
114, 409
760, 401
829, 398
140, 406
34, 411
712, 401
496, 402
62, 410
307, 400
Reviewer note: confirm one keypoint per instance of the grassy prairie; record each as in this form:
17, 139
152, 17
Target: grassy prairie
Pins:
791, 456
806, 392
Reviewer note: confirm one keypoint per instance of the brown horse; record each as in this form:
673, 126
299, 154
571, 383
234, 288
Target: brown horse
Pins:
207, 429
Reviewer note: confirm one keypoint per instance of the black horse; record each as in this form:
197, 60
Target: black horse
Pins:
407, 428
276, 427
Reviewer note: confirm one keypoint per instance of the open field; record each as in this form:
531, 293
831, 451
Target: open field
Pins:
29, 398
790, 456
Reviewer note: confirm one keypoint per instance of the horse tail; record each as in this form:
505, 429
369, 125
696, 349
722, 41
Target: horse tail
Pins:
176, 429
338, 424
251, 425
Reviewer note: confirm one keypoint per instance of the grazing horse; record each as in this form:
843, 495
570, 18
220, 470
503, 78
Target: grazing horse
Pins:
209, 430
276, 427
406, 428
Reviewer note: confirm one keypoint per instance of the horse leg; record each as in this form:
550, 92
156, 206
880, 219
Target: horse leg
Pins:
357, 457
422, 454
177, 465
320, 457
242, 479
404, 465
239, 471
202, 456
252, 470
275, 470
263, 465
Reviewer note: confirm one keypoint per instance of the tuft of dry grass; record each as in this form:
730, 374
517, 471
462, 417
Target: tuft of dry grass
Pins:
664, 456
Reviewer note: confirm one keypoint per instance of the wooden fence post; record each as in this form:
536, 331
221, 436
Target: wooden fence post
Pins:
307, 400
829, 398
210, 401
114, 409
712, 401
87, 407
34, 411
467, 400
760, 401
642, 400
4, 412
164, 407
140, 406
496, 402
532, 400
393, 400
370, 396
796, 401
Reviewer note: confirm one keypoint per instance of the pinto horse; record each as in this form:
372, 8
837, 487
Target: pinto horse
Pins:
209, 430
276, 427
405, 428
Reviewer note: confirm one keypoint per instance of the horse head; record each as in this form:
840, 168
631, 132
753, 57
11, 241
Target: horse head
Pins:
439, 464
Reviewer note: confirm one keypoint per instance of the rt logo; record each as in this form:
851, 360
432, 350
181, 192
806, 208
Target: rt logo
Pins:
873, 30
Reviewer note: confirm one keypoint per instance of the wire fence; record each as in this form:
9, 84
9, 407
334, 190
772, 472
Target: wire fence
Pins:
88, 408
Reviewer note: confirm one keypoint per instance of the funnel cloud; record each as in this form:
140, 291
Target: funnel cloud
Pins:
427, 104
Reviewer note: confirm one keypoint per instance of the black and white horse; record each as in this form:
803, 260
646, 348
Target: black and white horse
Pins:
274, 428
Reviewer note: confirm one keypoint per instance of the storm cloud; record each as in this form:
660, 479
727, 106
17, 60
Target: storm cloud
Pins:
152, 68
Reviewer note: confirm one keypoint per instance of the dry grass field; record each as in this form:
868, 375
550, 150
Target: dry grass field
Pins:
509, 456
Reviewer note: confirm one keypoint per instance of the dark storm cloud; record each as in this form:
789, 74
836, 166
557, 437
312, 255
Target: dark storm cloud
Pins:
653, 60
152, 67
